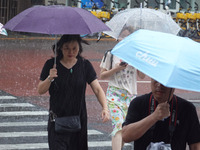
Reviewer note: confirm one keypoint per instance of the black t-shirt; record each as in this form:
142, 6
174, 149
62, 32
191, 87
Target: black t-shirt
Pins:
68, 89
187, 127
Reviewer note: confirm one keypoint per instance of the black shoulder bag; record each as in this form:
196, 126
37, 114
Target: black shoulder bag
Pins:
68, 123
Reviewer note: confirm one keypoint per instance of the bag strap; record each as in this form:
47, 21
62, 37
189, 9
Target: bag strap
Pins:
173, 116
84, 75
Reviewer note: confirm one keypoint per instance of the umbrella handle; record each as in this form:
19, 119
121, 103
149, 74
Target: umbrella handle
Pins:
169, 95
55, 53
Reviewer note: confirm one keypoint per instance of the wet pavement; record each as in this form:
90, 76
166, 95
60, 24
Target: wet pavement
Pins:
22, 58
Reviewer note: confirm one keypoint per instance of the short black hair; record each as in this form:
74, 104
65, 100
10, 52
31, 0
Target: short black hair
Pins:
67, 38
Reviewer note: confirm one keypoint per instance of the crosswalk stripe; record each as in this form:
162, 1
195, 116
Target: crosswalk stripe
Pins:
24, 113
103, 144
137, 81
39, 133
7, 97
13, 124
23, 146
23, 134
45, 145
93, 132
16, 105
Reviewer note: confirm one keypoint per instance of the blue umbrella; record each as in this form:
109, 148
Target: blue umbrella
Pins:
171, 60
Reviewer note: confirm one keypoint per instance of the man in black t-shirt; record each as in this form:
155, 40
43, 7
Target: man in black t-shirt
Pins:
151, 118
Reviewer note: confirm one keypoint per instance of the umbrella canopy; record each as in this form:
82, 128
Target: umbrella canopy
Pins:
141, 18
169, 59
56, 20
2, 30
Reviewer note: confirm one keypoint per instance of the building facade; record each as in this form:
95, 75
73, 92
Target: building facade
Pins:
10, 8
118, 4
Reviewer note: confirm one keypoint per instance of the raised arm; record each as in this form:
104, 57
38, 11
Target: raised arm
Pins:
43, 86
136, 130
106, 74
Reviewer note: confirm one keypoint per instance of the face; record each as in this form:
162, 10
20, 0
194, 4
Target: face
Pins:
70, 50
160, 92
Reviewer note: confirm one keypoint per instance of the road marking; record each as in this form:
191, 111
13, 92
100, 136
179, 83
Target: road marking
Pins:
103, 144
23, 134
39, 133
16, 105
24, 113
137, 81
24, 146
144, 82
13, 124
45, 145
7, 97
93, 132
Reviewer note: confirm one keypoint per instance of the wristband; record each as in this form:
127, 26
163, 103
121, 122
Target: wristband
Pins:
50, 79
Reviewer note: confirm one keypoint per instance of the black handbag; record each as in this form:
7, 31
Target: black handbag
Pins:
67, 124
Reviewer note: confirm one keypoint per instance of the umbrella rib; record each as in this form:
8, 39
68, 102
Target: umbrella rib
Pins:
83, 20
17, 24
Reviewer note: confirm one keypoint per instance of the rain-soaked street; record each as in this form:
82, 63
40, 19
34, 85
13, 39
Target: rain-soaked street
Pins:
24, 112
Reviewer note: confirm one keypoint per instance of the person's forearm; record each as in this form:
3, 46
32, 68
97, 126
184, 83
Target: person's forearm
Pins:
136, 130
107, 74
102, 99
43, 86
99, 93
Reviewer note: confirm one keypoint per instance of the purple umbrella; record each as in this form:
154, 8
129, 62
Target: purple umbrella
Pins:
56, 20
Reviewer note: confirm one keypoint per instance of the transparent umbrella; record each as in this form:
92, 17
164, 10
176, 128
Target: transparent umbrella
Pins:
141, 18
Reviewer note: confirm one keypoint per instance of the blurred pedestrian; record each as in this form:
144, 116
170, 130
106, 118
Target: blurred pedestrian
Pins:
122, 89
161, 119
66, 82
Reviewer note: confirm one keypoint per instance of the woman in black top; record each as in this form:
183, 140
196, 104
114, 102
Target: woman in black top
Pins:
66, 82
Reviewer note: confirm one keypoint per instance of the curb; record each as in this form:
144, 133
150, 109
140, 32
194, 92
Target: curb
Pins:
51, 38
